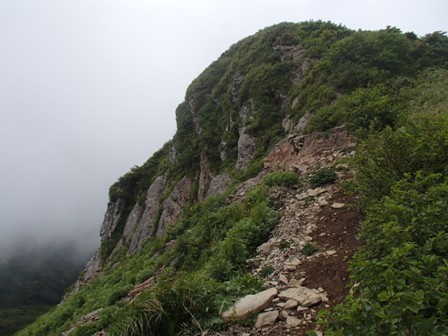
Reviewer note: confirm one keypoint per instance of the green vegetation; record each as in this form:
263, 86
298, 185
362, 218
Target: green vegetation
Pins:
309, 249
402, 268
322, 177
14, 319
196, 279
286, 179
33, 279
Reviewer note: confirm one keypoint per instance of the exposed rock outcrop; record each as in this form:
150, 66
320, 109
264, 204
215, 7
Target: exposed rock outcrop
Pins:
195, 116
209, 185
300, 152
218, 184
92, 268
289, 52
237, 80
138, 228
96, 263
204, 177
111, 219
172, 207
246, 149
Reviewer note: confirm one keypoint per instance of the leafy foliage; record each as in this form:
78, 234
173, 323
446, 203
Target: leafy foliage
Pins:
322, 177
196, 279
281, 178
401, 271
309, 249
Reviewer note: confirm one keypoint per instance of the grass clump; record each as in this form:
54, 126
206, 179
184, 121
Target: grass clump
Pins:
281, 178
266, 271
323, 177
309, 249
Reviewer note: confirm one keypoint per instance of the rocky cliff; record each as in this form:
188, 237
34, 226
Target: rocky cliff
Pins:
242, 214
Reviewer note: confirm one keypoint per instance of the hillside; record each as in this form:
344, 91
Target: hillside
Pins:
33, 279
302, 147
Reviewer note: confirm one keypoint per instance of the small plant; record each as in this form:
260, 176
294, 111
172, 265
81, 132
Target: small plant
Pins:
117, 295
267, 270
281, 178
323, 177
309, 249
283, 245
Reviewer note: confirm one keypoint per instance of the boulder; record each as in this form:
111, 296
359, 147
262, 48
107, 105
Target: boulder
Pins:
250, 304
266, 318
303, 295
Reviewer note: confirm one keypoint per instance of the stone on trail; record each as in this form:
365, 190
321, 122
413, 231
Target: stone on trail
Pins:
293, 321
303, 295
337, 205
250, 304
266, 318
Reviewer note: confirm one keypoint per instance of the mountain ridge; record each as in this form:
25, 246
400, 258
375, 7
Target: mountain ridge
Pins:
199, 208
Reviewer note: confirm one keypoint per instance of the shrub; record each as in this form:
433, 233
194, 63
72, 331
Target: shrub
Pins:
323, 177
309, 249
281, 178
283, 245
117, 295
402, 266
266, 271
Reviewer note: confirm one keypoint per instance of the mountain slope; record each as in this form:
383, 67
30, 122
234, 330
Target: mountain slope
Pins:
33, 279
276, 114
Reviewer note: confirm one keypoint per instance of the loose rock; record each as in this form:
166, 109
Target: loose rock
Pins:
250, 304
290, 304
303, 295
283, 278
293, 321
266, 318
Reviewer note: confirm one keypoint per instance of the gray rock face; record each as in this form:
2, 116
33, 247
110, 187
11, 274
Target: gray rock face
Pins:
250, 304
210, 185
111, 219
204, 177
246, 149
141, 222
90, 272
195, 115
132, 221
287, 123
289, 53
237, 80
218, 184
172, 154
173, 205
95, 264
223, 151
303, 121
244, 114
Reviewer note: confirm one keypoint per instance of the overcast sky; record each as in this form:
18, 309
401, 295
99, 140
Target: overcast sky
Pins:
88, 89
